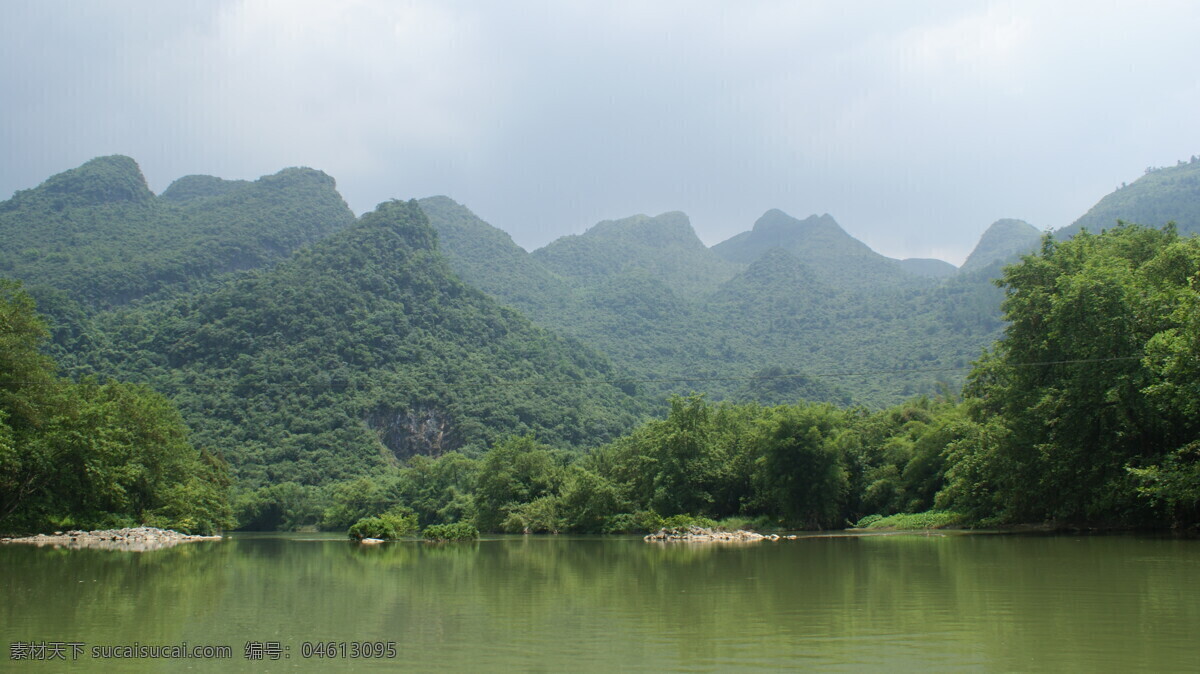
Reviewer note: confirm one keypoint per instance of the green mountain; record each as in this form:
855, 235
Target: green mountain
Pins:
359, 350
664, 247
669, 338
821, 243
790, 316
928, 267
769, 330
880, 345
1003, 242
98, 234
487, 258
1162, 195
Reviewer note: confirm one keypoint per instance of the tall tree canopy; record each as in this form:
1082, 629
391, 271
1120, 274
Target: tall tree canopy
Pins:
91, 453
1092, 387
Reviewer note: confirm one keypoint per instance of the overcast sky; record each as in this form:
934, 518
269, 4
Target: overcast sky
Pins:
915, 124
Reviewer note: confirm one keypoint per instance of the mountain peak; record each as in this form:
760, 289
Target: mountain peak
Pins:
776, 220
819, 242
406, 220
111, 179
1004, 240
200, 186
1162, 195
776, 229
670, 228
664, 246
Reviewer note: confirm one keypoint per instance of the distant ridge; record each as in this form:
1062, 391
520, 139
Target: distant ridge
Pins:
103, 180
99, 234
665, 247
927, 266
1162, 195
488, 258
1003, 241
358, 350
819, 242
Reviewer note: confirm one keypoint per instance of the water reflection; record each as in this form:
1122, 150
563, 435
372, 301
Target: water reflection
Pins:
554, 603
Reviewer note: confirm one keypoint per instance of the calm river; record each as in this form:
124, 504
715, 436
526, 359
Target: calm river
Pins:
554, 604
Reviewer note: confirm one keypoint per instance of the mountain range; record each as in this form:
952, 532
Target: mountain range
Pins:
310, 345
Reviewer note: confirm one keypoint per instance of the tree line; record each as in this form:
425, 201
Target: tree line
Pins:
1083, 414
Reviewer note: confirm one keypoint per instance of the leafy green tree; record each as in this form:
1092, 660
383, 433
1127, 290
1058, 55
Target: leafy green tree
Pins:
286, 506
395, 523
588, 500
800, 473
686, 461
440, 490
91, 453
455, 531
1083, 385
513, 473
347, 502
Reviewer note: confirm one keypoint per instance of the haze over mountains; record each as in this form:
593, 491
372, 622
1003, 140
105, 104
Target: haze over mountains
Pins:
310, 345
801, 299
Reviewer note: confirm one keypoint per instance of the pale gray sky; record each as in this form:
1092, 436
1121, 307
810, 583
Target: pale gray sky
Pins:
914, 124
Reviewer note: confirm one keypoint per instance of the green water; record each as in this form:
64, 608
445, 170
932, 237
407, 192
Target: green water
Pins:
900, 603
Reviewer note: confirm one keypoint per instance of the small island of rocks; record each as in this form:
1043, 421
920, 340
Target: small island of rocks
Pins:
705, 535
138, 539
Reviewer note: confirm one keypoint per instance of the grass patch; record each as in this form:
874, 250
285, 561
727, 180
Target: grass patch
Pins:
933, 519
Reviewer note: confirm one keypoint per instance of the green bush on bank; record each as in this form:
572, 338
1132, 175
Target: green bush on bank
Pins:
458, 531
395, 523
683, 522
933, 519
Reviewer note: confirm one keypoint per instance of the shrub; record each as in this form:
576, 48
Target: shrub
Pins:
933, 519
741, 523
684, 522
867, 521
393, 524
458, 531
632, 523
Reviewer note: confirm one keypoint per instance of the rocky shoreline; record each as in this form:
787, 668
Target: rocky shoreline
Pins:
703, 535
139, 539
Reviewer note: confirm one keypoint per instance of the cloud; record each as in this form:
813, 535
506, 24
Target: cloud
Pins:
914, 124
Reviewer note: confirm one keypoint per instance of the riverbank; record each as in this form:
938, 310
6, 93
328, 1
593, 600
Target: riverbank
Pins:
138, 539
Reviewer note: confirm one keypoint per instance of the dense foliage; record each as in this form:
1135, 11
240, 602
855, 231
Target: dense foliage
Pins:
355, 383
1162, 195
459, 531
90, 453
358, 351
1092, 392
790, 301
393, 524
99, 236
1084, 414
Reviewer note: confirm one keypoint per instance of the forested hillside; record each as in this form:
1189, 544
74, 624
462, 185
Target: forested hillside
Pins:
1005, 241
655, 330
91, 453
340, 365
1162, 195
664, 248
784, 322
97, 234
1084, 414
360, 350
